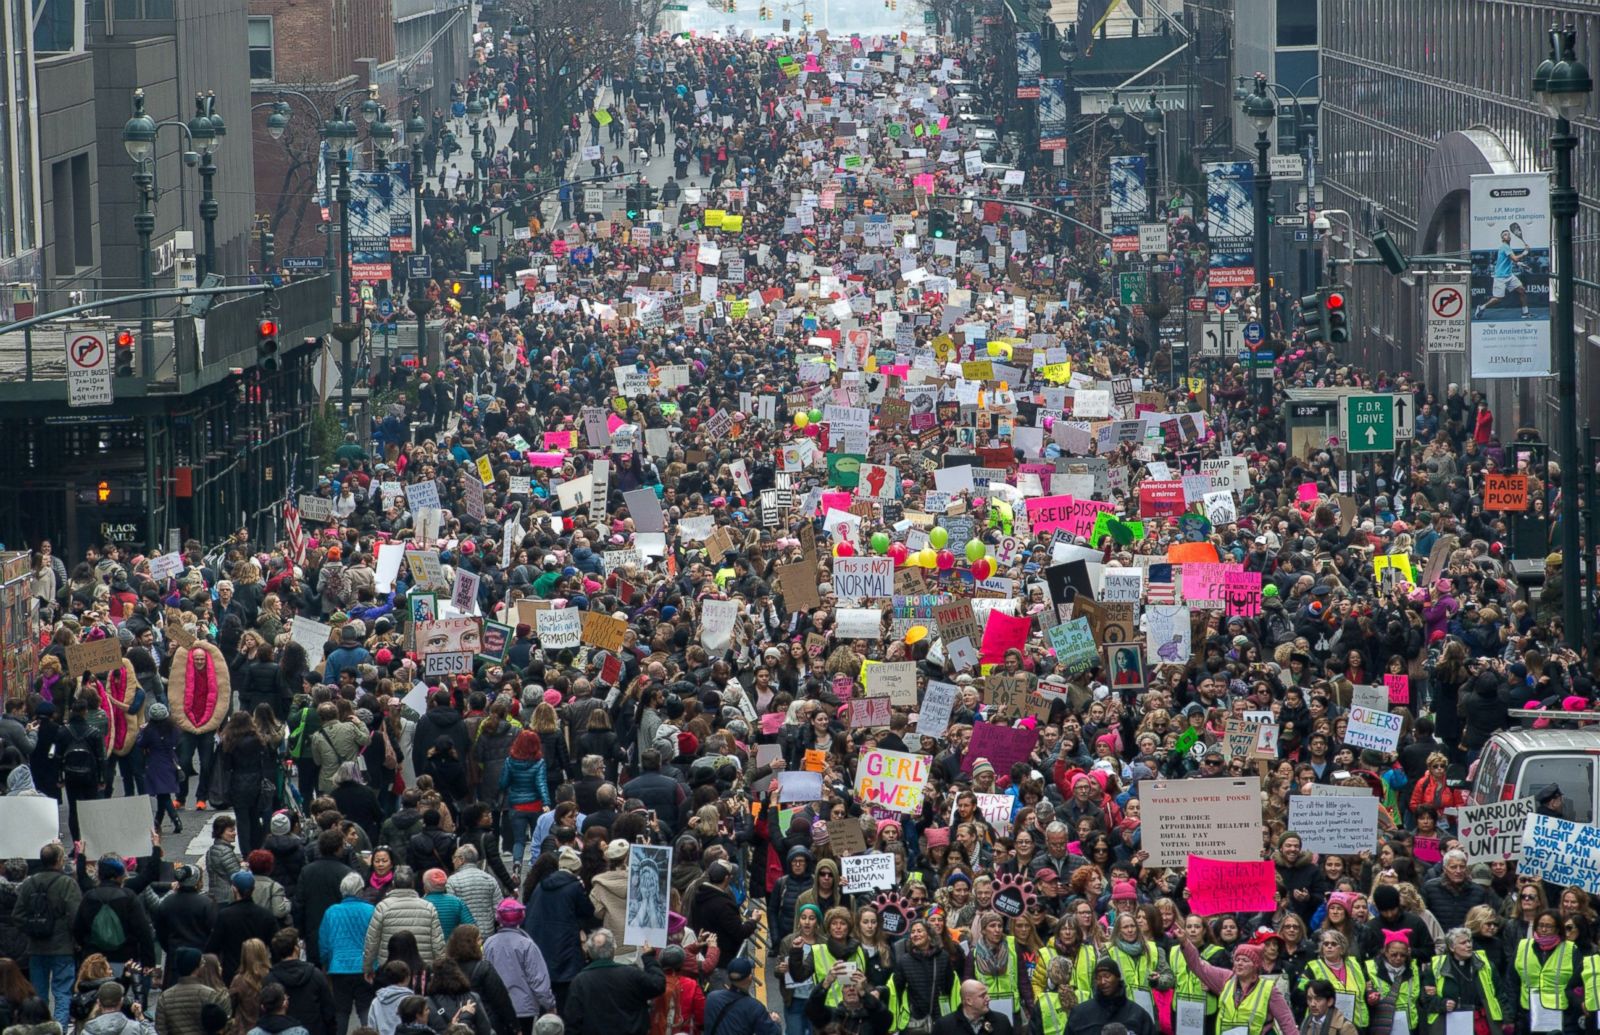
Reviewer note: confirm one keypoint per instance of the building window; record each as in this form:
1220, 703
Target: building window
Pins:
57, 29
1297, 23
261, 58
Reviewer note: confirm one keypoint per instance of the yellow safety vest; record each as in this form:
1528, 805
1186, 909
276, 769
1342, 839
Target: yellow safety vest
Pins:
1189, 986
1354, 983
1052, 1016
1491, 1002
822, 961
1405, 994
1591, 984
900, 1001
1004, 986
1135, 972
1550, 978
1252, 1013
1082, 971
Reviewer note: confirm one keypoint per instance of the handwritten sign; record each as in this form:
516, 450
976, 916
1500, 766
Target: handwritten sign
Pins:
1399, 687
1334, 825
892, 780
1493, 832
1375, 730
1561, 852
863, 873
1505, 492
1225, 886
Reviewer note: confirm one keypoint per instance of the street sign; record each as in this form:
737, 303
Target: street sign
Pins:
1222, 298
1369, 423
1405, 418
1133, 288
1217, 339
1168, 267
419, 267
1286, 167
1253, 334
89, 369
1153, 238
1445, 315
304, 262
1302, 236
1296, 220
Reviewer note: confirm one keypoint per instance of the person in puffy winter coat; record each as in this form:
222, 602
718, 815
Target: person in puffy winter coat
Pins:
527, 792
559, 913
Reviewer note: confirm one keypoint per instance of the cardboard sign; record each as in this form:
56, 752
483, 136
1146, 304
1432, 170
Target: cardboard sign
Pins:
846, 836
815, 761
603, 631
866, 873
895, 680
559, 629
96, 656
1505, 492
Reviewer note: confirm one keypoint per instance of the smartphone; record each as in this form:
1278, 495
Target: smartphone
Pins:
650, 814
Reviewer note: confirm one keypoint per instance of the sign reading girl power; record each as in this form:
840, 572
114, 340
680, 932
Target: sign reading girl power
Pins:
892, 780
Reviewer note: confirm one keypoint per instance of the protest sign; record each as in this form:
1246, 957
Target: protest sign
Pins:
649, 895
1505, 492
858, 623
311, 635
799, 786
846, 836
865, 873
1561, 852
114, 826
1377, 730
996, 808
934, 717
896, 680
1399, 687
862, 578
717, 618
1335, 825
1224, 886
892, 780
1375, 698
166, 566
1219, 819
27, 824
1001, 745
559, 629
1493, 832
603, 631
95, 656
869, 711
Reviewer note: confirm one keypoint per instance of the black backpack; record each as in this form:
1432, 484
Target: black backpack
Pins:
78, 763
36, 915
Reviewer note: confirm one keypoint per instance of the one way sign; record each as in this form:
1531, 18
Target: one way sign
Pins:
1405, 418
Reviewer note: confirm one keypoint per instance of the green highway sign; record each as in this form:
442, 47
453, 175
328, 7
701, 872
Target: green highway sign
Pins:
1133, 285
1369, 423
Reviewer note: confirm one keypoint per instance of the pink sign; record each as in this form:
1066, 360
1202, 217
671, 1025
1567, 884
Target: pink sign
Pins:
1308, 492
558, 440
1001, 745
1000, 634
1220, 886
1399, 687
544, 459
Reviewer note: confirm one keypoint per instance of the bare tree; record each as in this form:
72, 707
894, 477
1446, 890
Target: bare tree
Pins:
570, 45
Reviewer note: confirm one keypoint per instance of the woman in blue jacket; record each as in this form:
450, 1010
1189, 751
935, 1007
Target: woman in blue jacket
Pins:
527, 792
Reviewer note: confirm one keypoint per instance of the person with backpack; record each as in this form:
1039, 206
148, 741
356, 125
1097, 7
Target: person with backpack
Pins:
112, 920
46, 904
337, 741
82, 753
303, 726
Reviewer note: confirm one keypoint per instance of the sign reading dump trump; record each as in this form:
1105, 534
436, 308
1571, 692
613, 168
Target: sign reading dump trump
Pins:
1219, 819
894, 780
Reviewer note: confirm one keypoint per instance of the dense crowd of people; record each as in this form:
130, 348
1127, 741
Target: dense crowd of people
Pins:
427, 786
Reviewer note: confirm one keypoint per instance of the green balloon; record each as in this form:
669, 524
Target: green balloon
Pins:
939, 537
975, 550
880, 542
815, 415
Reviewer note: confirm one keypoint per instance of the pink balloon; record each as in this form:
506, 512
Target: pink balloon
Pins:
812, 431
946, 560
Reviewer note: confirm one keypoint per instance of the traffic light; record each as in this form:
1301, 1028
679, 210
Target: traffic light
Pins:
1313, 325
647, 196
269, 250
267, 345
124, 357
939, 224
477, 222
633, 201
1337, 319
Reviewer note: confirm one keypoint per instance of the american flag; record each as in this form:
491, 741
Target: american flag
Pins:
291, 531
1161, 586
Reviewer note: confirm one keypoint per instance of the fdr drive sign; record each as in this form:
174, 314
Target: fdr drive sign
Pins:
88, 367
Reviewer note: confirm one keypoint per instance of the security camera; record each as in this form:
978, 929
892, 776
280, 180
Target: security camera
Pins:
191, 158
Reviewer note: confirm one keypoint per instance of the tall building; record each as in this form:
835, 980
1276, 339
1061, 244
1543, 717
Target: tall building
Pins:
1417, 98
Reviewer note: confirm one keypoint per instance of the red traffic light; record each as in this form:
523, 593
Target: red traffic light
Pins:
267, 328
1335, 300
124, 339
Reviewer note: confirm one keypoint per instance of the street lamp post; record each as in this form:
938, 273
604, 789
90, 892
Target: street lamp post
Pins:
1152, 155
204, 130
139, 139
1262, 110
1563, 85
475, 110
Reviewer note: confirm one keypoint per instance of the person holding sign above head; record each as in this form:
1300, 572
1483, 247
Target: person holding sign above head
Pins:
1246, 1005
